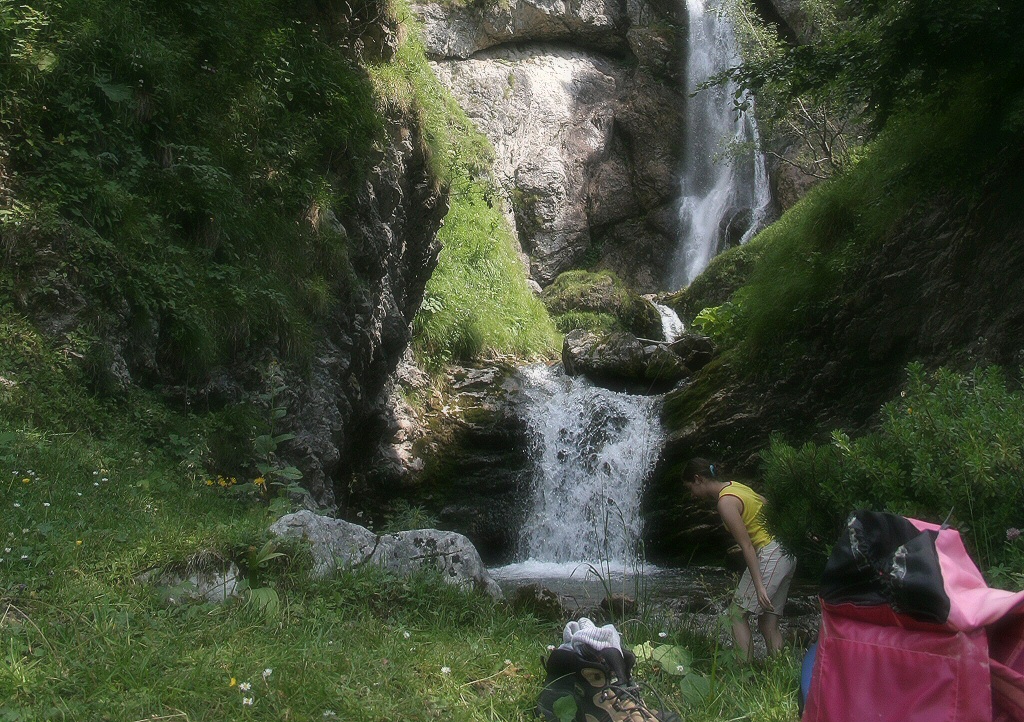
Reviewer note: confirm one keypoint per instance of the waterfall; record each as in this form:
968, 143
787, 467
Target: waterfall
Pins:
671, 325
722, 200
592, 450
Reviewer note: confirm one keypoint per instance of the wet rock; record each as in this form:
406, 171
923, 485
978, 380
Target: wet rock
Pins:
621, 358
541, 602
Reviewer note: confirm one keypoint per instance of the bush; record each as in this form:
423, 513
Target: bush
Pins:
603, 294
952, 446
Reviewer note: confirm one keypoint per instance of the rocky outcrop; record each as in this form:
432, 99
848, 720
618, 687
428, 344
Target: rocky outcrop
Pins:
461, 455
622, 359
581, 104
336, 544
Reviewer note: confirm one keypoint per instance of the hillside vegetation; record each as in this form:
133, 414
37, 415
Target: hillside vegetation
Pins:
905, 255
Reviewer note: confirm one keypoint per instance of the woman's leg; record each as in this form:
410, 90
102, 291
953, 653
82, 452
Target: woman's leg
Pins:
768, 623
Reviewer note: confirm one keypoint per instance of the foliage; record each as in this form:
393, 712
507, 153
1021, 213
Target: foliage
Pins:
949, 447
875, 57
477, 302
177, 162
403, 516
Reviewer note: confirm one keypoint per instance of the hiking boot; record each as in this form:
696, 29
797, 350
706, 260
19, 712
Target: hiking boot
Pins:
599, 685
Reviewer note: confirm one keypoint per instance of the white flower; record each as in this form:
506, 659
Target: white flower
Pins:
680, 668
662, 634
551, 648
104, 479
406, 635
24, 557
24, 531
267, 672
244, 686
7, 550
95, 483
46, 503
79, 493
446, 670
329, 713
508, 662
247, 701
95, 473
17, 505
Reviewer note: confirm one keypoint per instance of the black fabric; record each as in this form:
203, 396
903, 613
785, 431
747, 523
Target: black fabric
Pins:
883, 559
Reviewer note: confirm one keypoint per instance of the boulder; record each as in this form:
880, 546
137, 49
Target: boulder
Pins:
694, 350
621, 358
335, 543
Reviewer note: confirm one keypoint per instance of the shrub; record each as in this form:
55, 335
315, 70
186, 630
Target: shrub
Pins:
952, 446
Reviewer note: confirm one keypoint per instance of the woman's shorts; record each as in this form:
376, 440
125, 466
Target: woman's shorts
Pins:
777, 569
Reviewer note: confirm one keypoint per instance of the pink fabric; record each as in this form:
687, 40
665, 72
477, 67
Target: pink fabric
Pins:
874, 665
973, 604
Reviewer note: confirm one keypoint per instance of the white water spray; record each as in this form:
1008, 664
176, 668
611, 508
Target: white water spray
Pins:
593, 449
723, 199
671, 325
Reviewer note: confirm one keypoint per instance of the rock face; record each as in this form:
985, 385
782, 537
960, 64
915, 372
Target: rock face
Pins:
581, 104
336, 544
334, 403
463, 458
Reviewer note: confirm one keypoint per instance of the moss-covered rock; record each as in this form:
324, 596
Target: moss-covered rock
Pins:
579, 298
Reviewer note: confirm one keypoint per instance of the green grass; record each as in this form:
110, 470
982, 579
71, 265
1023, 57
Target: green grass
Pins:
83, 638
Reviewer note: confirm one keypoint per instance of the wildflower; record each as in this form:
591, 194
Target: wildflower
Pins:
24, 557
247, 701
508, 662
95, 483
104, 479
209, 482
1012, 533
662, 634
17, 505
95, 473
406, 635
260, 482
446, 670
233, 682
551, 648
267, 672
78, 543
46, 503
24, 531
680, 668
244, 686
7, 550
329, 713
79, 493
26, 480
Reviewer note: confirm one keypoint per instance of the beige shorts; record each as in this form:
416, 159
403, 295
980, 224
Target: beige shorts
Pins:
777, 569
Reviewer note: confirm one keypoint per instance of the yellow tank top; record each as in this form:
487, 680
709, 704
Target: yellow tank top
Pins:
752, 519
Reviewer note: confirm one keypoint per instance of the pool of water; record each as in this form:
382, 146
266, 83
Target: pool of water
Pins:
585, 584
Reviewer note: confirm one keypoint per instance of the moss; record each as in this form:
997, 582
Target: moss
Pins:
602, 294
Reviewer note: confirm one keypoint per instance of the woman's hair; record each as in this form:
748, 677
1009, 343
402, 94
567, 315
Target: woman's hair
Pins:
698, 466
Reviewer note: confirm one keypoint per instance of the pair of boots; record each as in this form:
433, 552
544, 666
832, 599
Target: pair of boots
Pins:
599, 683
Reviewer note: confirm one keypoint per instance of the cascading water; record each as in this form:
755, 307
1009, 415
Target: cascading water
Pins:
722, 200
671, 325
593, 449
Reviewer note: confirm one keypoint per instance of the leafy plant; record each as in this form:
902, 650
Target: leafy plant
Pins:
275, 472
949, 447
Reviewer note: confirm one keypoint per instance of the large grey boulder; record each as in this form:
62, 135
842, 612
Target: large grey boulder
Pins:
336, 544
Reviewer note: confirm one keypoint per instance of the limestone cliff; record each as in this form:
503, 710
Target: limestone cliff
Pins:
582, 104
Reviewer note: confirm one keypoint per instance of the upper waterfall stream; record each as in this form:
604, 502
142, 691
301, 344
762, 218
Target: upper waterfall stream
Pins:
725, 194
